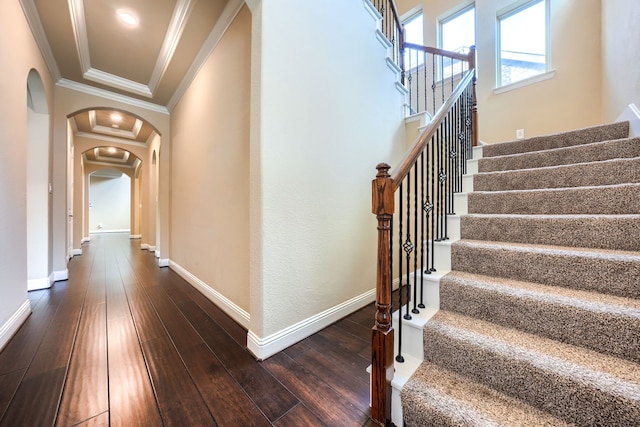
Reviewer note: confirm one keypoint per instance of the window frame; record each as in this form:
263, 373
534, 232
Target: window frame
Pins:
448, 17
511, 11
408, 17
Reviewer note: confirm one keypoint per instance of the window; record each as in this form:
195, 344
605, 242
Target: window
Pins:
457, 33
413, 33
522, 42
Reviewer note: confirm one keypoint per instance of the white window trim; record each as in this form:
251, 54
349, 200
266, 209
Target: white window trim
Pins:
505, 12
451, 14
525, 82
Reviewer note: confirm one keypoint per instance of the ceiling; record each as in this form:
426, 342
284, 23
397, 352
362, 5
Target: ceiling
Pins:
88, 48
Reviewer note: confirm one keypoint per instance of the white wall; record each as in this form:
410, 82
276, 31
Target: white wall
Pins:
325, 111
18, 55
109, 203
621, 56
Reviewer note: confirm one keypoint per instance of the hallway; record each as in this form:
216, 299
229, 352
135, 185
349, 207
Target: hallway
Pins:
123, 342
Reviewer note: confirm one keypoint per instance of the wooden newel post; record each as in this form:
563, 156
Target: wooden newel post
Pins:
474, 99
383, 189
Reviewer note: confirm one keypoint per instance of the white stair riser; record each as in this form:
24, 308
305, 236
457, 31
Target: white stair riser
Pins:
467, 183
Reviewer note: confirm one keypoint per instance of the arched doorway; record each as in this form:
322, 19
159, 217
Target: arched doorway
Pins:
38, 185
107, 138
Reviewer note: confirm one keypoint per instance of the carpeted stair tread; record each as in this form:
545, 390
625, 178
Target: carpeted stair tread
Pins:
606, 172
605, 199
596, 270
588, 231
439, 397
558, 140
607, 324
578, 385
593, 152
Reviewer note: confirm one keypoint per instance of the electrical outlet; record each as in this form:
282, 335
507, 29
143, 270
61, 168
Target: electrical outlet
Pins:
520, 134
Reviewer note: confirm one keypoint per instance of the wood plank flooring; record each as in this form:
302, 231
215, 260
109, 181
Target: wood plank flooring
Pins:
125, 343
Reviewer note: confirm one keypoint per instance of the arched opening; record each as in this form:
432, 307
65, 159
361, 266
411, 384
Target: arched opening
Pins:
108, 138
109, 201
38, 185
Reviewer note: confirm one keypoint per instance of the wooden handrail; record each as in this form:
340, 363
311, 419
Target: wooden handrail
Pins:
410, 157
436, 51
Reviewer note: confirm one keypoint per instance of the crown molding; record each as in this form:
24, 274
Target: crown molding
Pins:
172, 38
229, 13
33, 19
90, 90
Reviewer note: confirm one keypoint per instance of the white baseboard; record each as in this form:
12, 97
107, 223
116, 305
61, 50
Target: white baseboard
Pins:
144, 246
163, 262
77, 251
58, 276
263, 348
157, 253
135, 236
236, 313
86, 239
35, 284
151, 248
109, 231
12, 325
631, 114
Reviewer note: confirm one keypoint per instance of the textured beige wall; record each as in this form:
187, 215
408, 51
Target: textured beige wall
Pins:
18, 55
571, 99
621, 55
210, 169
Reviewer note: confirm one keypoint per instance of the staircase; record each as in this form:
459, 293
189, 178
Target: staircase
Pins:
539, 321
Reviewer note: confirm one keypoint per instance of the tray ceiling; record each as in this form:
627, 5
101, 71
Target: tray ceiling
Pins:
87, 47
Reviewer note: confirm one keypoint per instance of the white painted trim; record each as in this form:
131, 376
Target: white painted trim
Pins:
393, 66
157, 253
77, 251
163, 262
526, 82
90, 90
632, 115
229, 307
225, 20
263, 348
151, 248
35, 284
31, 13
12, 325
60, 275
372, 11
384, 41
144, 246
108, 231
85, 239
135, 236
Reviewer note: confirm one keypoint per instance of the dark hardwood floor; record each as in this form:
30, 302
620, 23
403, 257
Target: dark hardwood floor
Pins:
126, 343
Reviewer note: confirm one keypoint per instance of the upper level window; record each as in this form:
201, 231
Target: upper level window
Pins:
457, 33
523, 42
414, 33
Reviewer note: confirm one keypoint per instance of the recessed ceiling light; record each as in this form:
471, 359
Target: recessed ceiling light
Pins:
116, 117
111, 150
127, 17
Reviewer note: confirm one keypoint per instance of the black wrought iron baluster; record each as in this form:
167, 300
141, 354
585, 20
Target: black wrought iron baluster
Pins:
432, 240
423, 217
447, 175
408, 246
399, 357
415, 235
433, 82
417, 81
